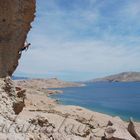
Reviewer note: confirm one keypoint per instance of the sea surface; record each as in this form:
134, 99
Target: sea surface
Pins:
116, 99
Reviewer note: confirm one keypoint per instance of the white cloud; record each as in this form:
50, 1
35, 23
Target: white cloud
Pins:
76, 41
80, 56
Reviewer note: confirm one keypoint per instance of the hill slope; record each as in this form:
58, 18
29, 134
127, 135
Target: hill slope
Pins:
121, 77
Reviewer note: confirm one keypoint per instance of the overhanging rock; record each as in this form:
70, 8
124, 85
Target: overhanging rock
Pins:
15, 22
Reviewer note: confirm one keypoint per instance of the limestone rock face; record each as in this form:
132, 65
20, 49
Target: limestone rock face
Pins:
9, 99
15, 22
117, 130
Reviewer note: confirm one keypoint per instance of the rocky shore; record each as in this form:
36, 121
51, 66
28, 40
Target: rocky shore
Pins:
35, 116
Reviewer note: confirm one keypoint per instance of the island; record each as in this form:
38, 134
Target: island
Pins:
121, 77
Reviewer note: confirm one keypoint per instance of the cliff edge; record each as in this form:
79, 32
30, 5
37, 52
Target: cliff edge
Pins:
15, 22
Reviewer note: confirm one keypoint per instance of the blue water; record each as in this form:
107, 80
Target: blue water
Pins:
121, 99
19, 78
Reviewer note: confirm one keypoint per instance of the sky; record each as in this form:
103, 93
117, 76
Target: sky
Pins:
77, 40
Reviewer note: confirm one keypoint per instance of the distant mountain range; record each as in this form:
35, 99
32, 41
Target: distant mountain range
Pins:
121, 77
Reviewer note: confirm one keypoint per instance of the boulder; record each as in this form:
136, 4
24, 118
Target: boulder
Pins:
117, 130
133, 129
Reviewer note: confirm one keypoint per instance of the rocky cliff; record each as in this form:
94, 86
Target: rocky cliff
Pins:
15, 22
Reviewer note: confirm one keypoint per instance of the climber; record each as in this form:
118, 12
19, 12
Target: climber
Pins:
26, 46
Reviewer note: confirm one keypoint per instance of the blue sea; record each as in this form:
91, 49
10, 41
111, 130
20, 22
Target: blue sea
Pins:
116, 98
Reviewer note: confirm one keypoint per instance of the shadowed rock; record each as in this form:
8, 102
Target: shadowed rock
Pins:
117, 130
133, 129
15, 19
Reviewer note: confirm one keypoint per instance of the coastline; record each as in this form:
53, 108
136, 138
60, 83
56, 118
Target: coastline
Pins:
115, 102
59, 102
38, 103
124, 118
53, 86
